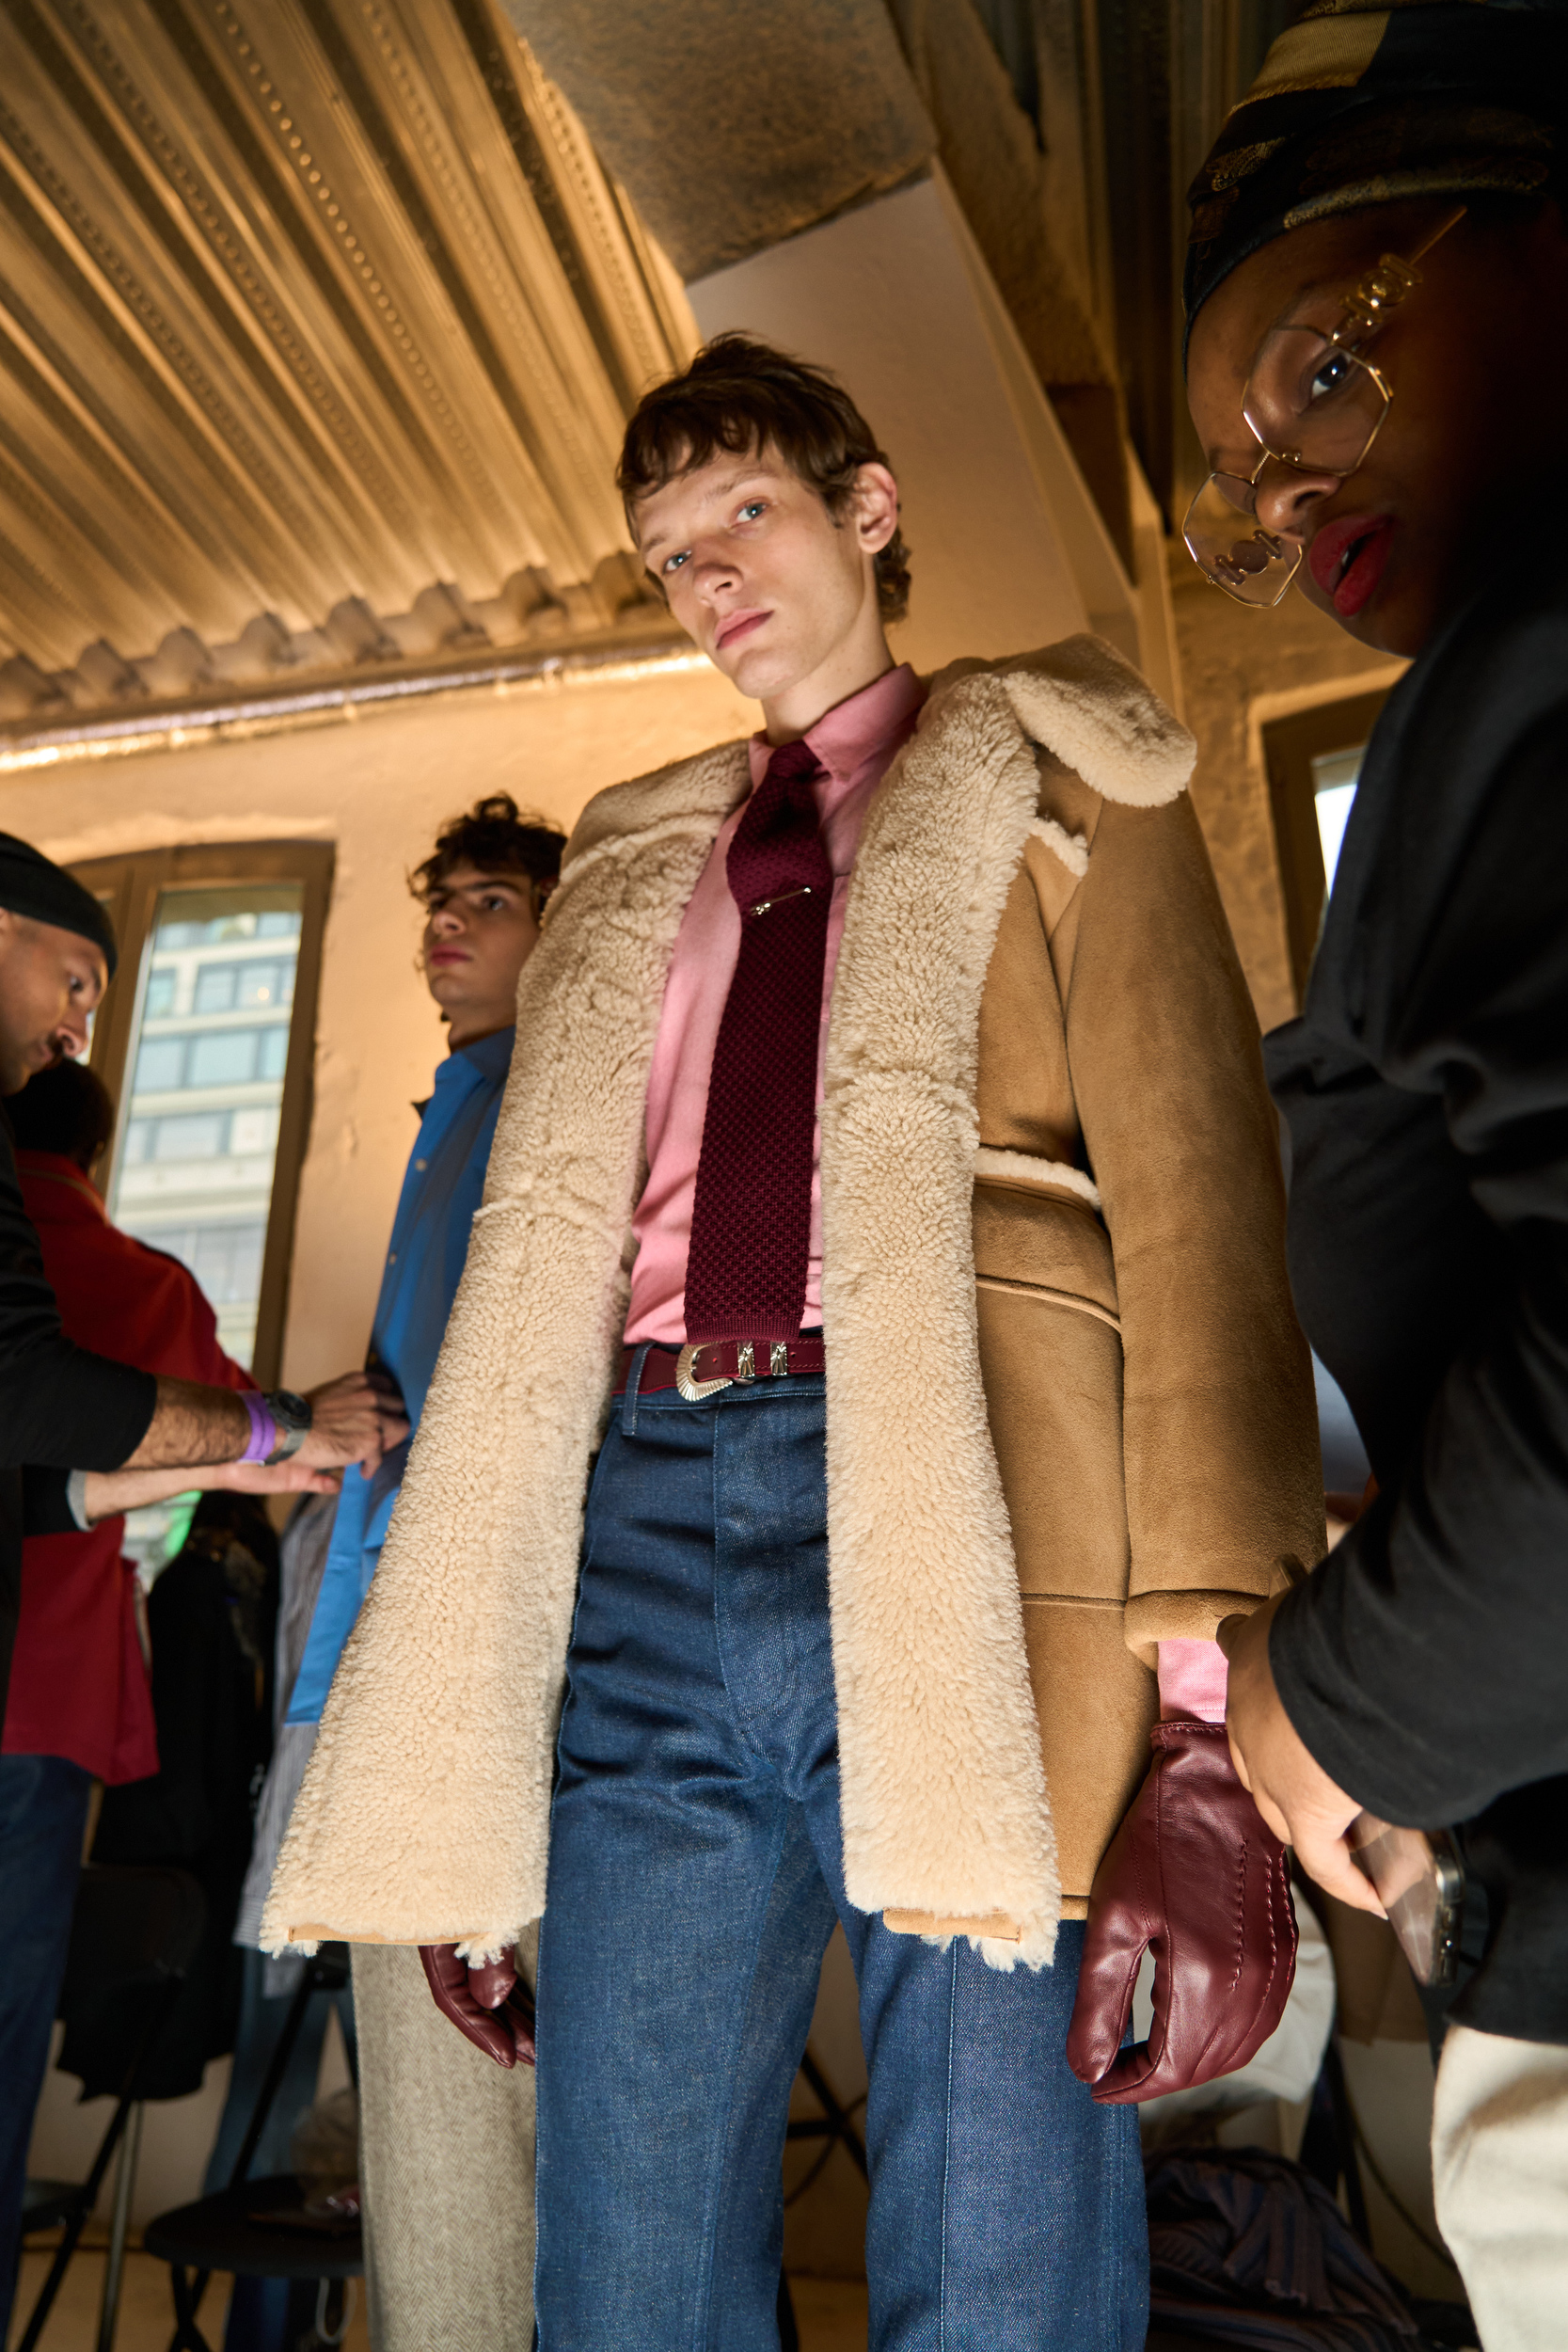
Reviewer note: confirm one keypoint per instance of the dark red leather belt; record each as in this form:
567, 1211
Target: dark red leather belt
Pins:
700, 1372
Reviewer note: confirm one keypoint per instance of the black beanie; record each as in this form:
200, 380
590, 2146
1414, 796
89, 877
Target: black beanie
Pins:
32, 885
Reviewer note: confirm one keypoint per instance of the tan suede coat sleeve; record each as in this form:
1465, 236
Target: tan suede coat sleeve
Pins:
1223, 1480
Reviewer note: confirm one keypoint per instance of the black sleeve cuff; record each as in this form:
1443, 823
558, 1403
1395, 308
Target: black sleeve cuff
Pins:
45, 1507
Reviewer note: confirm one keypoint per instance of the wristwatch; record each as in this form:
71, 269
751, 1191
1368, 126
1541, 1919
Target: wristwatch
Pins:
292, 1415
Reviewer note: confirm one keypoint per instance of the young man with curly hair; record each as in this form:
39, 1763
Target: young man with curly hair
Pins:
484, 890
887, 1190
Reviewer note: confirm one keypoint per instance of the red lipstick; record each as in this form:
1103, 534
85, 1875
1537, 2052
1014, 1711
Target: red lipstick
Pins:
1346, 559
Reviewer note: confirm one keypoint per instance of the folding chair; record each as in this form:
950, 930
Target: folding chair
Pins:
133, 1932
224, 2233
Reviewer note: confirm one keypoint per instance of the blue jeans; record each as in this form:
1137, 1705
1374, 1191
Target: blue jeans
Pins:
694, 1881
43, 1817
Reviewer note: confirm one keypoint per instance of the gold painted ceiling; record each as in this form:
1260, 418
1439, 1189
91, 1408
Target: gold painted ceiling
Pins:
319, 321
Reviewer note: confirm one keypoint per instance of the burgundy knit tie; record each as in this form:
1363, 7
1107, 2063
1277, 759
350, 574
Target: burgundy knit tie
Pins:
750, 1216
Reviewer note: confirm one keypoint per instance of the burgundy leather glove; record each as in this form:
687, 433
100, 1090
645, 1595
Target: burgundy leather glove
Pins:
488, 2002
1194, 1876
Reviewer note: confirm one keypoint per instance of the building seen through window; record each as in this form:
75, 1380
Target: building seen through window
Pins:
200, 1124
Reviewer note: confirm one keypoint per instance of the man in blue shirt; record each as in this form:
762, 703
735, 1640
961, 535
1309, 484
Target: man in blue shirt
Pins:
427, 2098
484, 890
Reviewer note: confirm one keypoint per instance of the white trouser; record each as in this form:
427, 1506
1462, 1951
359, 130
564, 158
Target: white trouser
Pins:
446, 2164
1500, 2165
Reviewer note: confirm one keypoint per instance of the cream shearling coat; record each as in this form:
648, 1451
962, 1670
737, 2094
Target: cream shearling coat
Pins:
1046, 1149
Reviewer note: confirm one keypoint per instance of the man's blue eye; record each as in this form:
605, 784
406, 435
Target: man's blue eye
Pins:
753, 506
673, 562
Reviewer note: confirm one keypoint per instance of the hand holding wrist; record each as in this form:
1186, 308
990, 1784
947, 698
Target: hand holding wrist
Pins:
1297, 1799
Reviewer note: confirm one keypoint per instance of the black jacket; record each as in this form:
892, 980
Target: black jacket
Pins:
1426, 1089
61, 1409
212, 1618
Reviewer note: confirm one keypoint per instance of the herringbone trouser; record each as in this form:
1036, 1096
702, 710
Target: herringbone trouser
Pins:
445, 2164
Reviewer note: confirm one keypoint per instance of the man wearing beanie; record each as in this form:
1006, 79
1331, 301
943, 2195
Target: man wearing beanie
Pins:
138, 1436
61, 1408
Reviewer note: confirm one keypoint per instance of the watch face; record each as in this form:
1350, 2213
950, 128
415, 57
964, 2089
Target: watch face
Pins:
290, 1409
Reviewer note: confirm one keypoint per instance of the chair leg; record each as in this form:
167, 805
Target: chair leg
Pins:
113, 2268
189, 2287
840, 2126
87, 2195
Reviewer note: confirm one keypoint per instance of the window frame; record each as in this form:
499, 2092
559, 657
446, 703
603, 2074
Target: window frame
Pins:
1289, 747
129, 888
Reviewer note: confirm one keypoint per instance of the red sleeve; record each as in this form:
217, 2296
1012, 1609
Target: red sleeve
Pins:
184, 1343
138, 1304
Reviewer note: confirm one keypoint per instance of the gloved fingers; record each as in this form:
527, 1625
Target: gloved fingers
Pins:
490, 1981
1203, 2039
1271, 1985
1113, 1953
448, 1977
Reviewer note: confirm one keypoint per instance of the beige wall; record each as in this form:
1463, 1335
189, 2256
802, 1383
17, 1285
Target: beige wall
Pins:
1009, 550
1239, 670
376, 787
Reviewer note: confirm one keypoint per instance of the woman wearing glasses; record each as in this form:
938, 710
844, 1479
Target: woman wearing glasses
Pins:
1377, 292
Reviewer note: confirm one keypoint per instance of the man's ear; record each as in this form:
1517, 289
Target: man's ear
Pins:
875, 507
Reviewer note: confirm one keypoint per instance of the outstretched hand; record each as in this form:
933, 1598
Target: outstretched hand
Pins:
1289, 1787
487, 2001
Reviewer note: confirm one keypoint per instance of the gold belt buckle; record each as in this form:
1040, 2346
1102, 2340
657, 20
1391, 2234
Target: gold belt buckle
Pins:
694, 1390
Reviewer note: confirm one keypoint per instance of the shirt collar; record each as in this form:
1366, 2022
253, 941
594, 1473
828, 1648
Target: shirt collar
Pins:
490, 1056
852, 732
466, 1067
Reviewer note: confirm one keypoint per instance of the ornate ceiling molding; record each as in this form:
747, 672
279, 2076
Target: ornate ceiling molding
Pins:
319, 323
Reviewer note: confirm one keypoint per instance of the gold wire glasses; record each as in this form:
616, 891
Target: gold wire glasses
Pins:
1313, 403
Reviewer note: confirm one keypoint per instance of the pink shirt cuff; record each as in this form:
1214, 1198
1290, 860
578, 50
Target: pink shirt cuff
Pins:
1192, 1681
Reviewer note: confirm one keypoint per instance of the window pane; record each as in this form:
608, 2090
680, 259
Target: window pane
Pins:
214, 989
1333, 779
160, 1065
227, 1058
216, 998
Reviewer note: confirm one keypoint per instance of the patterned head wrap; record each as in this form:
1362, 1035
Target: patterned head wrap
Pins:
1361, 104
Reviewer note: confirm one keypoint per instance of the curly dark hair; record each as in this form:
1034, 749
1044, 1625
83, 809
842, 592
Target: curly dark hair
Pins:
496, 838
742, 395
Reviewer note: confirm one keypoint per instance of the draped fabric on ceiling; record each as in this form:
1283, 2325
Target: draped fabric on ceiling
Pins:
319, 322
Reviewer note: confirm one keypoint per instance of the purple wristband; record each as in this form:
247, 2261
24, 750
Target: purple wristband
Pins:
263, 1429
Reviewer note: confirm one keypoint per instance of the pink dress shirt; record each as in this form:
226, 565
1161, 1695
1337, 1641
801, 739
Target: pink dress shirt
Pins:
855, 741
1193, 1679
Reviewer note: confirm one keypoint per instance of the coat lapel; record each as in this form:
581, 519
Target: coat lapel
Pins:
943, 1793
425, 1813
